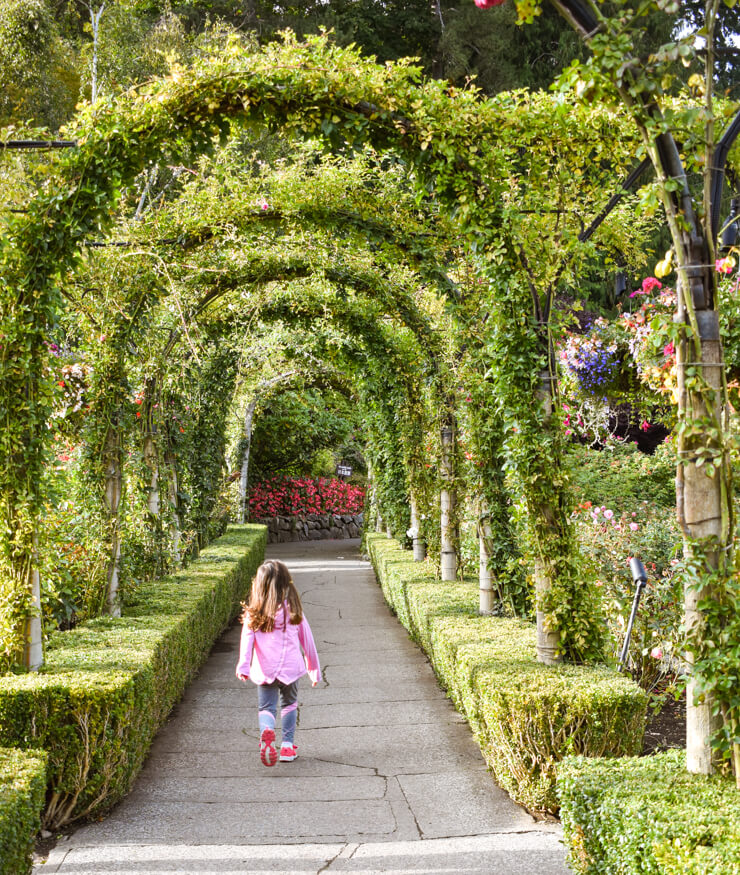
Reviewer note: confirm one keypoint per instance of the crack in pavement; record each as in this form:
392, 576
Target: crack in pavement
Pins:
372, 769
327, 865
411, 810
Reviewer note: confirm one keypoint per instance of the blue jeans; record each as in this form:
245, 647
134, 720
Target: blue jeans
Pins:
268, 695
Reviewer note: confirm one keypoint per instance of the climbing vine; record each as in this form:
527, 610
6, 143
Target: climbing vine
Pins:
469, 154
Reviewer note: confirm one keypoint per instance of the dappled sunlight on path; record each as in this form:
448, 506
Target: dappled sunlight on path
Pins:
388, 777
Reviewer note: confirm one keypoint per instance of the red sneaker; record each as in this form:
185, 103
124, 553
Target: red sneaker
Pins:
268, 754
288, 752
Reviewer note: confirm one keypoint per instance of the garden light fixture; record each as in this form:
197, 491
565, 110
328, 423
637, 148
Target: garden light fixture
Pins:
729, 235
620, 284
639, 576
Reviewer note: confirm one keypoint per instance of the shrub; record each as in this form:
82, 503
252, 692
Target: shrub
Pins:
22, 788
648, 816
526, 716
108, 685
620, 476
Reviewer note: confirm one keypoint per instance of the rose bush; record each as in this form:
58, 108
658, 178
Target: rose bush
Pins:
651, 534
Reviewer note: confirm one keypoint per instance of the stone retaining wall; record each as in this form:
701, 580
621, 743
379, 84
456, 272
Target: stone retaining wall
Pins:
312, 527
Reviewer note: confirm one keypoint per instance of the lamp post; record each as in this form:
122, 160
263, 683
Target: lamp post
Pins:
639, 576
620, 284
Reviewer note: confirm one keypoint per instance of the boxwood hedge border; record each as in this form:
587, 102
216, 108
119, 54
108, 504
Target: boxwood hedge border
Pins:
648, 816
526, 716
22, 791
108, 685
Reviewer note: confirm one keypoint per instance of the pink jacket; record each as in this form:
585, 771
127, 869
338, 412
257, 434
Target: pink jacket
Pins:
285, 654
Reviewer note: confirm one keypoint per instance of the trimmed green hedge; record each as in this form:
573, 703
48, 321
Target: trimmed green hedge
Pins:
526, 716
22, 790
108, 685
648, 816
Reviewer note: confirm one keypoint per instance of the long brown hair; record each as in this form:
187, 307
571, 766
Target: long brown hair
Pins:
271, 587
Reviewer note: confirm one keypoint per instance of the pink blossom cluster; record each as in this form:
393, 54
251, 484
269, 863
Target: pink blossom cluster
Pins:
292, 496
602, 515
724, 265
649, 284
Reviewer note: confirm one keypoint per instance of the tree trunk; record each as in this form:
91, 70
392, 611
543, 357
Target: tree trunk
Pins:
448, 553
487, 597
33, 650
113, 490
548, 639
418, 545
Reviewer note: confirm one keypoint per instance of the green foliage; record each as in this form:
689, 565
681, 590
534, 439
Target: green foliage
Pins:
681, 140
620, 476
133, 48
534, 451
37, 76
108, 685
648, 816
293, 428
443, 136
22, 791
500, 54
526, 716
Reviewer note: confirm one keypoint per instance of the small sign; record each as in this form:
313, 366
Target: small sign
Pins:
344, 471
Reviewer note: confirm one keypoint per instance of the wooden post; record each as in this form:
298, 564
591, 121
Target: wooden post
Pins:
548, 639
486, 600
33, 649
448, 556
418, 545
113, 491
699, 501
244, 475
173, 495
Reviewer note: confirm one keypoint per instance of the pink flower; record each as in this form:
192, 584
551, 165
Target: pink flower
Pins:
724, 265
486, 4
669, 349
649, 284
634, 527
608, 514
656, 653
644, 425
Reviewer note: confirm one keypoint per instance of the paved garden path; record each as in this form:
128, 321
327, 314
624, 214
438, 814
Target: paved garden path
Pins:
388, 779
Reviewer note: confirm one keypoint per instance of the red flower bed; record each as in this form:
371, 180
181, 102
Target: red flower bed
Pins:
291, 496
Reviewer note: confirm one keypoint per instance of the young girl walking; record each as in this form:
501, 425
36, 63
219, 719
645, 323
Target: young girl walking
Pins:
277, 648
